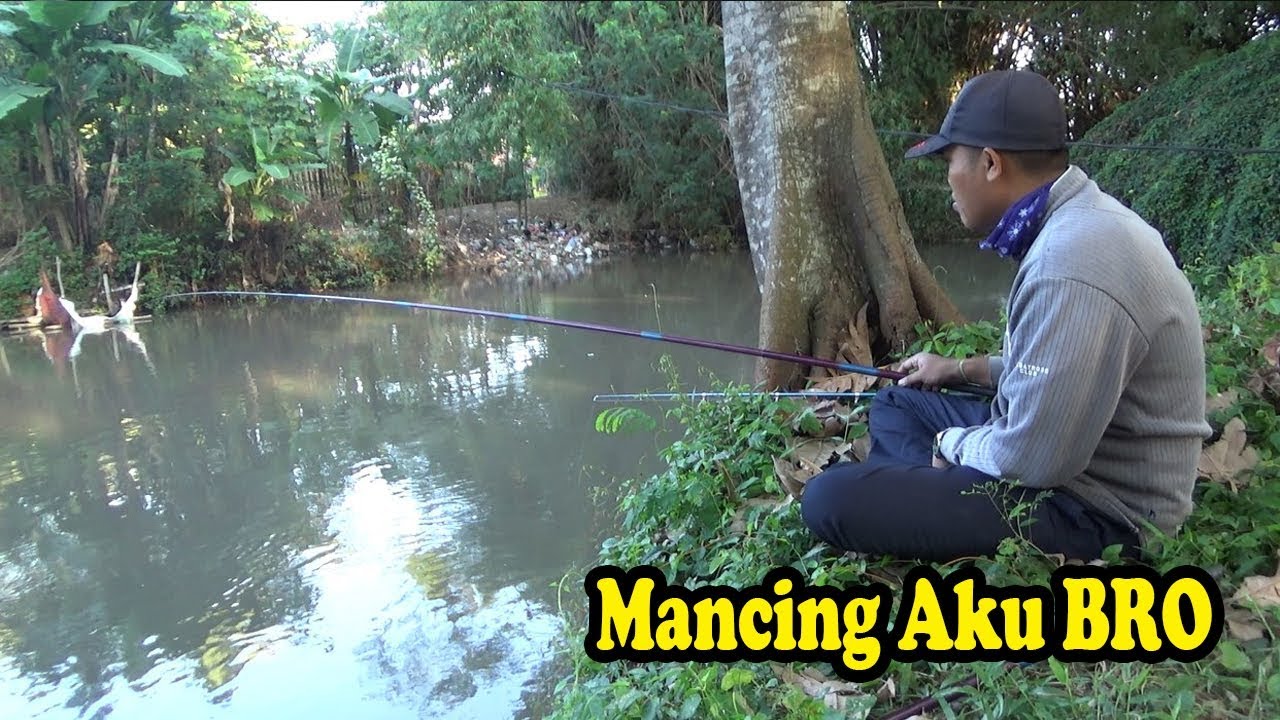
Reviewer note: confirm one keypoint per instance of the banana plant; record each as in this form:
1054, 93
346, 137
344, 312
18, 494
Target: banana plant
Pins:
274, 160
61, 69
352, 105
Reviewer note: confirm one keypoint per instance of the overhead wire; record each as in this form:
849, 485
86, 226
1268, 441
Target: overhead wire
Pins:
719, 114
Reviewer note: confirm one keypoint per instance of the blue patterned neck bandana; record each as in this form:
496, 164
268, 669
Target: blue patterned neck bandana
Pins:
1015, 232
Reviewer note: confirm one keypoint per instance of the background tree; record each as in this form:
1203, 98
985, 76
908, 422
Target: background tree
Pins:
68, 49
824, 222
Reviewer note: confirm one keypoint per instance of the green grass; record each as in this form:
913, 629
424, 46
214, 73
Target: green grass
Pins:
702, 522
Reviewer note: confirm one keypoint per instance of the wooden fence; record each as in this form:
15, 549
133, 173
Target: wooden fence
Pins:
363, 197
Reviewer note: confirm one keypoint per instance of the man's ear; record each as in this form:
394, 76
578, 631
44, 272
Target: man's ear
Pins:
993, 164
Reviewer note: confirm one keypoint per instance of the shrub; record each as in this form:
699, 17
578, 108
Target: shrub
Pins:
1214, 208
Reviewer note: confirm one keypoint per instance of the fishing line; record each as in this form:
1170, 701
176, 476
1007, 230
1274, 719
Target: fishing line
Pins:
594, 327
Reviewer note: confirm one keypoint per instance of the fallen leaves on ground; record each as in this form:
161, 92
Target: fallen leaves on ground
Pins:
1257, 591
1262, 591
1243, 625
1221, 401
833, 692
851, 383
834, 417
807, 457
1265, 383
1271, 350
855, 350
1224, 460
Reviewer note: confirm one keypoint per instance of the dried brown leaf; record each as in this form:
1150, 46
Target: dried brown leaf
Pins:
1265, 383
1271, 350
1260, 590
1221, 401
1243, 624
888, 691
859, 339
824, 409
834, 693
862, 447
814, 453
831, 427
850, 382
1226, 459
791, 479
834, 383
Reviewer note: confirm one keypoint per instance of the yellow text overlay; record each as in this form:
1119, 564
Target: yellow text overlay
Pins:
1086, 613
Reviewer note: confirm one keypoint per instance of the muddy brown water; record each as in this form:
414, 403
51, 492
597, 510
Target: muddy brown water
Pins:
313, 510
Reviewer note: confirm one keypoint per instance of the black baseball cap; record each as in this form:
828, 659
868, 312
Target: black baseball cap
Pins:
1005, 110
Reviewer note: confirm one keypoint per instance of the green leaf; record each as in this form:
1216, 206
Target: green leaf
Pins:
736, 677
38, 72
278, 172
231, 155
690, 707
296, 167
259, 149
158, 61
293, 196
362, 77
1234, 659
348, 57
262, 212
99, 11
391, 101
236, 176
191, 153
14, 96
58, 15
1059, 671
364, 128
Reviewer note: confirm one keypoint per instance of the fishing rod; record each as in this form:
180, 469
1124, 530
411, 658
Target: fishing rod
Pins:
641, 397
644, 334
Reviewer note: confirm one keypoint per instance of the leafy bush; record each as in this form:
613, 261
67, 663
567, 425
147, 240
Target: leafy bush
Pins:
1214, 208
21, 277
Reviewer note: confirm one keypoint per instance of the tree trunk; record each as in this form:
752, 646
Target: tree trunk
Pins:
824, 220
79, 181
110, 190
66, 241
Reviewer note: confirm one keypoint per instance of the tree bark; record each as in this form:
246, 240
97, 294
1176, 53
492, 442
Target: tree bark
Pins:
79, 181
66, 241
824, 220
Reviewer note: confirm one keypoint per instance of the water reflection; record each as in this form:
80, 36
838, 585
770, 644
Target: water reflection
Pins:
314, 510
294, 509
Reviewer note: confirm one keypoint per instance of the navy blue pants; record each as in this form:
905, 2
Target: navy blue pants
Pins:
897, 503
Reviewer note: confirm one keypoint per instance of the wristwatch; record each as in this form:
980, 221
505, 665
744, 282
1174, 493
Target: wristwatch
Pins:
937, 444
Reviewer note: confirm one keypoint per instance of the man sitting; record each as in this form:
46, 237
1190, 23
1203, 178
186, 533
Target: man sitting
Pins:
1098, 416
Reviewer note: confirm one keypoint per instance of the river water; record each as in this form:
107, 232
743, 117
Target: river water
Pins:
295, 509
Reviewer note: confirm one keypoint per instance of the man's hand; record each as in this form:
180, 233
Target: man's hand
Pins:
929, 371
940, 462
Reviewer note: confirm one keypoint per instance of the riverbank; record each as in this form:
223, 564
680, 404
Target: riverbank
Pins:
556, 232
721, 515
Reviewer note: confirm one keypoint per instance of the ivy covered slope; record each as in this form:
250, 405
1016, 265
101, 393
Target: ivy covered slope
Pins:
1214, 208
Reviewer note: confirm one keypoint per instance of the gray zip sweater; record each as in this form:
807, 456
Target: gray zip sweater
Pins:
1101, 382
